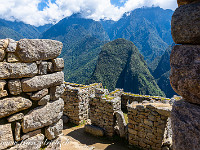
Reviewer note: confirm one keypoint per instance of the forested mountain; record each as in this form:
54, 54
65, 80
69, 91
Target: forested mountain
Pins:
148, 28
120, 65
162, 72
81, 39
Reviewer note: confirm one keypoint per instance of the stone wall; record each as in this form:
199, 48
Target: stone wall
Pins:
31, 83
185, 75
76, 98
102, 110
128, 98
147, 127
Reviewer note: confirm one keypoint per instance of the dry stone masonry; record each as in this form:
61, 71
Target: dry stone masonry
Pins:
148, 124
76, 98
31, 84
185, 75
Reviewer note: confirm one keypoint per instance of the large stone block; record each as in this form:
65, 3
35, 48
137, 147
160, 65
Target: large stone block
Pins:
54, 130
185, 71
30, 50
12, 44
40, 82
17, 70
9, 106
16, 117
57, 91
185, 25
185, 126
43, 116
184, 2
6, 136
58, 64
96, 131
33, 143
40, 94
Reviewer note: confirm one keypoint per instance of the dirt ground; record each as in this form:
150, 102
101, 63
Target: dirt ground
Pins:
77, 139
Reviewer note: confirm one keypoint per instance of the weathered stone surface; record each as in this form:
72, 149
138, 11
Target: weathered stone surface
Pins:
50, 67
43, 116
96, 131
2, 54
56, 144
121, 123
14, 87
11, 45
17, 131
40, 94
2, 84
40, 82
9, 106
16, 117
33, 143
186, 24
38, 49
31, 134
57, 91
54, 130
3, 93
184, 2
6, 137
58, 64
185, 126
185, 70
17, 70
4, 44
44, 100
11, 57
43, 67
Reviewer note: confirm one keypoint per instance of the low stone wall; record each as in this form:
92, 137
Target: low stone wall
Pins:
31, 83
76, 98
149, 125
102, 111
130, 97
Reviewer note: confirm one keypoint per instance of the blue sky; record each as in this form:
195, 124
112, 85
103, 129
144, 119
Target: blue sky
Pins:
41, 12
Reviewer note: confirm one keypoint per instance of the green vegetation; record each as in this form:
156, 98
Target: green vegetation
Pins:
120, 65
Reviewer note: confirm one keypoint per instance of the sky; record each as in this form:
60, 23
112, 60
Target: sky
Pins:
41, 12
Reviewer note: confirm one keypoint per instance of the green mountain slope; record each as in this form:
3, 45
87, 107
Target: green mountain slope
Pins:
6, 32
81, 39
162, 72
148, 28
120, 65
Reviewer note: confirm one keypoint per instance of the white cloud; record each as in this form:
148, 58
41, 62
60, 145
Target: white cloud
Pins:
27, 10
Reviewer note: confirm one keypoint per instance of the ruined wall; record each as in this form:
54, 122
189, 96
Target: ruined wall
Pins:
76, 98
130, 98
31, 83
102, 111
185, 75
147, 127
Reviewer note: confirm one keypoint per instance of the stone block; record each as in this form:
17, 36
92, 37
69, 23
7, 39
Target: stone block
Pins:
12, 58
18, 131
15, 87
40, 82
31, 134
185, 69
17, 70
30, 50
43, 116
16, 117
12, 44
185, 125
58, 64
185, 24
44, 100
6, 136
3, 93
13, 105
54, 130
39, 95
2, 54
57, 91
2, 84
43, 67
96, 131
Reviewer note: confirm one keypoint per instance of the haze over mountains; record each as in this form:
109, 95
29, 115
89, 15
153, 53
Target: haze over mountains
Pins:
148, 28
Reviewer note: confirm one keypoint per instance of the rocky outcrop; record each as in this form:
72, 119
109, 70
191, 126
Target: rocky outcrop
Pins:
30, 74
184, 2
